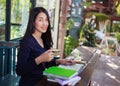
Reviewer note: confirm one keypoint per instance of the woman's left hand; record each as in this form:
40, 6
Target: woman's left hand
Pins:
65, 61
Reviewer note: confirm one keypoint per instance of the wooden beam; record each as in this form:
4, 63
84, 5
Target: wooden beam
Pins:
62, 28
56, 24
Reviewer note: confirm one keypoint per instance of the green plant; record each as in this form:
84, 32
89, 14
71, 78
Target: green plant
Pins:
117, 35
69, 23
70, 44
87, 33
116, 8
101, 16
87, 3
115, 27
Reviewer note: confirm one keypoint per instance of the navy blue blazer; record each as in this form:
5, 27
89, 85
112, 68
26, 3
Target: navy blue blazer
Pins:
26, 67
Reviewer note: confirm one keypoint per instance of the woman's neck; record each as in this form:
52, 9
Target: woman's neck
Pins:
37, 35
38, 39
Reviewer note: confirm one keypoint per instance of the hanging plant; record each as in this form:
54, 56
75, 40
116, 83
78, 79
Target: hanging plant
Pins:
101, 16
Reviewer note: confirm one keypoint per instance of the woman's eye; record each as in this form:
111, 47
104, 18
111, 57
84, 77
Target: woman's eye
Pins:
40, 19
46, 20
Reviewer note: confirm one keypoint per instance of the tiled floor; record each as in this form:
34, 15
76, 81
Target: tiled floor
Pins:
107, 72
9, 80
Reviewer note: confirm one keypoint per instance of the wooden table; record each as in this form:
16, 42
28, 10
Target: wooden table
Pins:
90, 55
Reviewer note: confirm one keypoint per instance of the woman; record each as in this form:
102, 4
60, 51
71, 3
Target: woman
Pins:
35, 54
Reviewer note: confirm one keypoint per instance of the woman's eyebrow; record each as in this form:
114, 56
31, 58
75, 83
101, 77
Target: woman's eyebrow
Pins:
42, 17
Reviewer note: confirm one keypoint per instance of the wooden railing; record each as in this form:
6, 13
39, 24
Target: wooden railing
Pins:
8, 53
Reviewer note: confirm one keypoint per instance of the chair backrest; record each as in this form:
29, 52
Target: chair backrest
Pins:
118, 47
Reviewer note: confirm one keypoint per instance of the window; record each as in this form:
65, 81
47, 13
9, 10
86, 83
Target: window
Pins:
19, 17
2, 19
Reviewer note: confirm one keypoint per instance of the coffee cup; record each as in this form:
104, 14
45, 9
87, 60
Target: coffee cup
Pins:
56, 52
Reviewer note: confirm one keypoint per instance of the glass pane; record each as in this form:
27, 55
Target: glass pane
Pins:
2, 19
19, 17
50, 6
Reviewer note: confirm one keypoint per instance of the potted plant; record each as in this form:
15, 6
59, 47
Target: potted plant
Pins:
70, 44
87, 34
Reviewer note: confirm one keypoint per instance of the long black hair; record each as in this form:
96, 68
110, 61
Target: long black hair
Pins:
47, 38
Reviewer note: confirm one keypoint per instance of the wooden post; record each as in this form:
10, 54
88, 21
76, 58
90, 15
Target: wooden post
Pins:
7, 21
62, 27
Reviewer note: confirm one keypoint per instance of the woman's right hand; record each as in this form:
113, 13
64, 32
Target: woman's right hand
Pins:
45, 57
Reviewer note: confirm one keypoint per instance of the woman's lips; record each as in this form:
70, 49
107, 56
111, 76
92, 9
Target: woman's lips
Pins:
43, 28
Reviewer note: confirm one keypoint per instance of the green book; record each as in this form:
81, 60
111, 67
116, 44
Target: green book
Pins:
58, 72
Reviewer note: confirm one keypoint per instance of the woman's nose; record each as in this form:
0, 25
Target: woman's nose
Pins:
45, 23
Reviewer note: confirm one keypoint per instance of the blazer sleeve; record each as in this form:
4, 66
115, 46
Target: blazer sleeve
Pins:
24, 65
52, 62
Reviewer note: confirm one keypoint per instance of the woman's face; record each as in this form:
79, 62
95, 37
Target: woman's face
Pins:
41, 23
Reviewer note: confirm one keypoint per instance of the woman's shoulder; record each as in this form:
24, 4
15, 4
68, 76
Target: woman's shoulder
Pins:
27, 39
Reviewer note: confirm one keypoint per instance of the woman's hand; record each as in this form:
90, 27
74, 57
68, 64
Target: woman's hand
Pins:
45, 57
65, 61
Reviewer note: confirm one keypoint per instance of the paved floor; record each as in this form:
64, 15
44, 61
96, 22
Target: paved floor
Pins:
107, 72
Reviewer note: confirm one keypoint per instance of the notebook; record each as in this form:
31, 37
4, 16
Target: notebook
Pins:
70, 82
58, 72
76, 67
